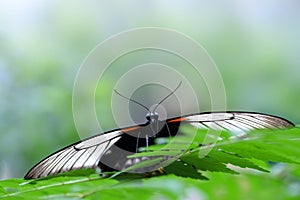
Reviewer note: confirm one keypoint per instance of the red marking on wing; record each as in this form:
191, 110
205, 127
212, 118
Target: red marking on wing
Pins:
129, 129
180, 119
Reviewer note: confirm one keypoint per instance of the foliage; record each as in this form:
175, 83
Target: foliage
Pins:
244, 162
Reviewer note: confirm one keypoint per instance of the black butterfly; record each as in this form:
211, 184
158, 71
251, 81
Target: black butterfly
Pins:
97, 151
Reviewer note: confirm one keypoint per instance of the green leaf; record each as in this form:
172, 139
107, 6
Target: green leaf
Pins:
183, 169
234, 159
206, 164
206, 154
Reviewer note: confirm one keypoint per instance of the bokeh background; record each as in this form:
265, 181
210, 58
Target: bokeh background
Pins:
43, 43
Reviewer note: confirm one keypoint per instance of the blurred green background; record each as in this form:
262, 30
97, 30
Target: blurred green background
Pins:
42, 44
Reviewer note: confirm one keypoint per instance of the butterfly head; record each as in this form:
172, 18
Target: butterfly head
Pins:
152, 117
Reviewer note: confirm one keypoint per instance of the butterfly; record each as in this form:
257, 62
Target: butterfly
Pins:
109, 151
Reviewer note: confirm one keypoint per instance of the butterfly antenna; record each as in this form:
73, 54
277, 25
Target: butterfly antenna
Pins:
138, 103
167, 96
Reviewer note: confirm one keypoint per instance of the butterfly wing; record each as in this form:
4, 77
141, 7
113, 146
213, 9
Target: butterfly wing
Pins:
100, 149
236, 122
83, 154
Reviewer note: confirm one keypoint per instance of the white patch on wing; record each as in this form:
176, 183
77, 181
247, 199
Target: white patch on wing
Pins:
198, 125
210, 117
97, 140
